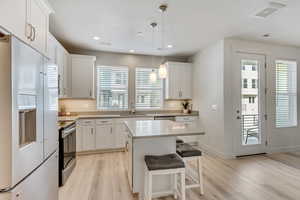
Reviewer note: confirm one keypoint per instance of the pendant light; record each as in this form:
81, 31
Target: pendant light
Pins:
153, 74
162, 72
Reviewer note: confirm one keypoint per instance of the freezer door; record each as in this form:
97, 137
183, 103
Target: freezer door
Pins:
27, 109
41, 185
50, 108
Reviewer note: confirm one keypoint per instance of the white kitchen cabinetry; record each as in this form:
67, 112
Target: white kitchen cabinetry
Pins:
104, 134
178, 83
87, 135
13, 17
63, 63
100, 134
28, 20
59, 56
82, 78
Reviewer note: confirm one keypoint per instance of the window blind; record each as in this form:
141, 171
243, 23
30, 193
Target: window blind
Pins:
148, 94
286, 93
112, 87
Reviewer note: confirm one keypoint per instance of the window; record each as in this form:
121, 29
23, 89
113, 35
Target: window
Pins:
286, 93
251, 99
253, 67
148, 94
245, 83
112, 88
253, 83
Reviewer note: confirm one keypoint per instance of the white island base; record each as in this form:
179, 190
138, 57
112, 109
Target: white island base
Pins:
154, 137
151, 146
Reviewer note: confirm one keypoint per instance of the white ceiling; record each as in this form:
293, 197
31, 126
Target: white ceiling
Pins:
190, 24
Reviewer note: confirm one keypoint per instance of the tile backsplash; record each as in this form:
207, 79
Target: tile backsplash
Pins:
90, 105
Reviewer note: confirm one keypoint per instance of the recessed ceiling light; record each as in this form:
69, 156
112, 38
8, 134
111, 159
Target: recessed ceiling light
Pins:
131, 51
96, 38
170, 46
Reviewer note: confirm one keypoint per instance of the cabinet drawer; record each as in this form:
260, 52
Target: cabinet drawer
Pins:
86, 122
104, 121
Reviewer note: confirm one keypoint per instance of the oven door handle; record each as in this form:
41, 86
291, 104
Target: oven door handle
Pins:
68, 132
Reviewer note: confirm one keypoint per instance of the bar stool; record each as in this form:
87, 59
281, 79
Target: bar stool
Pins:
170, 164
189, 153
179, 141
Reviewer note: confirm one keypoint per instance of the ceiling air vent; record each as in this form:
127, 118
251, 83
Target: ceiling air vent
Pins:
272, 8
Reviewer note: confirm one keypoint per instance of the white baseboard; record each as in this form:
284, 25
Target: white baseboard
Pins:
283, 149
212, 151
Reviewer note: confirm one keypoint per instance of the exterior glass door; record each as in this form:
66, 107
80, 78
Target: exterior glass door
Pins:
250, 103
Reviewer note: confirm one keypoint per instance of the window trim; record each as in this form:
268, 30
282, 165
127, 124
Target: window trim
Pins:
134, 92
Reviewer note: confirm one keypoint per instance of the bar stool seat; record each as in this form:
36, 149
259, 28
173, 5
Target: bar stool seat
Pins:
179, 141
186, 150
170, 161
170, 164
189, 153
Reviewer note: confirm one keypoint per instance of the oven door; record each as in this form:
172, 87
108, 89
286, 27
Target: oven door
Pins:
68, 148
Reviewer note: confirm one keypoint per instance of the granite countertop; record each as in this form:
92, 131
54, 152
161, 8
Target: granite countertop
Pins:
163, 128
98, 116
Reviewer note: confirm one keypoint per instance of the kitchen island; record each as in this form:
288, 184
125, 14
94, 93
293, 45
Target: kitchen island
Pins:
154, 137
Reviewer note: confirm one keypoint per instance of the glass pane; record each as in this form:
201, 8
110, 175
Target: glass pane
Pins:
112, 88
250, 123
148, 92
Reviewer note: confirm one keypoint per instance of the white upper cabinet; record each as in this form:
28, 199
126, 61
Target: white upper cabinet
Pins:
37, 19
82, 76
178, 83
60, 57
28, 20
13, 17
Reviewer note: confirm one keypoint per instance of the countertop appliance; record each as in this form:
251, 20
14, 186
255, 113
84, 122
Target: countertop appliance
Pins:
67, 151
28, 123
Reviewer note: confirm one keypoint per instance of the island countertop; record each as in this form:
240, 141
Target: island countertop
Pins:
163, 128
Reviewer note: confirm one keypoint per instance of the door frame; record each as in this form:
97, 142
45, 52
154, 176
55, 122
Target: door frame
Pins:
240, 149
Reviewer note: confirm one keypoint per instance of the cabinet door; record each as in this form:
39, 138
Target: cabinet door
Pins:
13, 17
79, 133
88, 138
104, 137
50, 108
60, 63
66, 88
119, 134
186, 86
82, 76
39, 21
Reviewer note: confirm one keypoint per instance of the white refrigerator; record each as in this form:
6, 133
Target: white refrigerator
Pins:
28, 123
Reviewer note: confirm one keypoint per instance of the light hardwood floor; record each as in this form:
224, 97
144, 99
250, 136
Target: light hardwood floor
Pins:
103, 177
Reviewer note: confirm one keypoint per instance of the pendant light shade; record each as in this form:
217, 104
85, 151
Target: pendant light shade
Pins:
162, 71
153, 76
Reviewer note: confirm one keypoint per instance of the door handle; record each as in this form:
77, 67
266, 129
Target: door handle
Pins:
34, 33
30, 31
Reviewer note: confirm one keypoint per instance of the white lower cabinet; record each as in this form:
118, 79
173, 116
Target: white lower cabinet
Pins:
100, 134
104, 137
88, 138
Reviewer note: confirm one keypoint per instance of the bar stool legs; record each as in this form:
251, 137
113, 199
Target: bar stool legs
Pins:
180, 172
